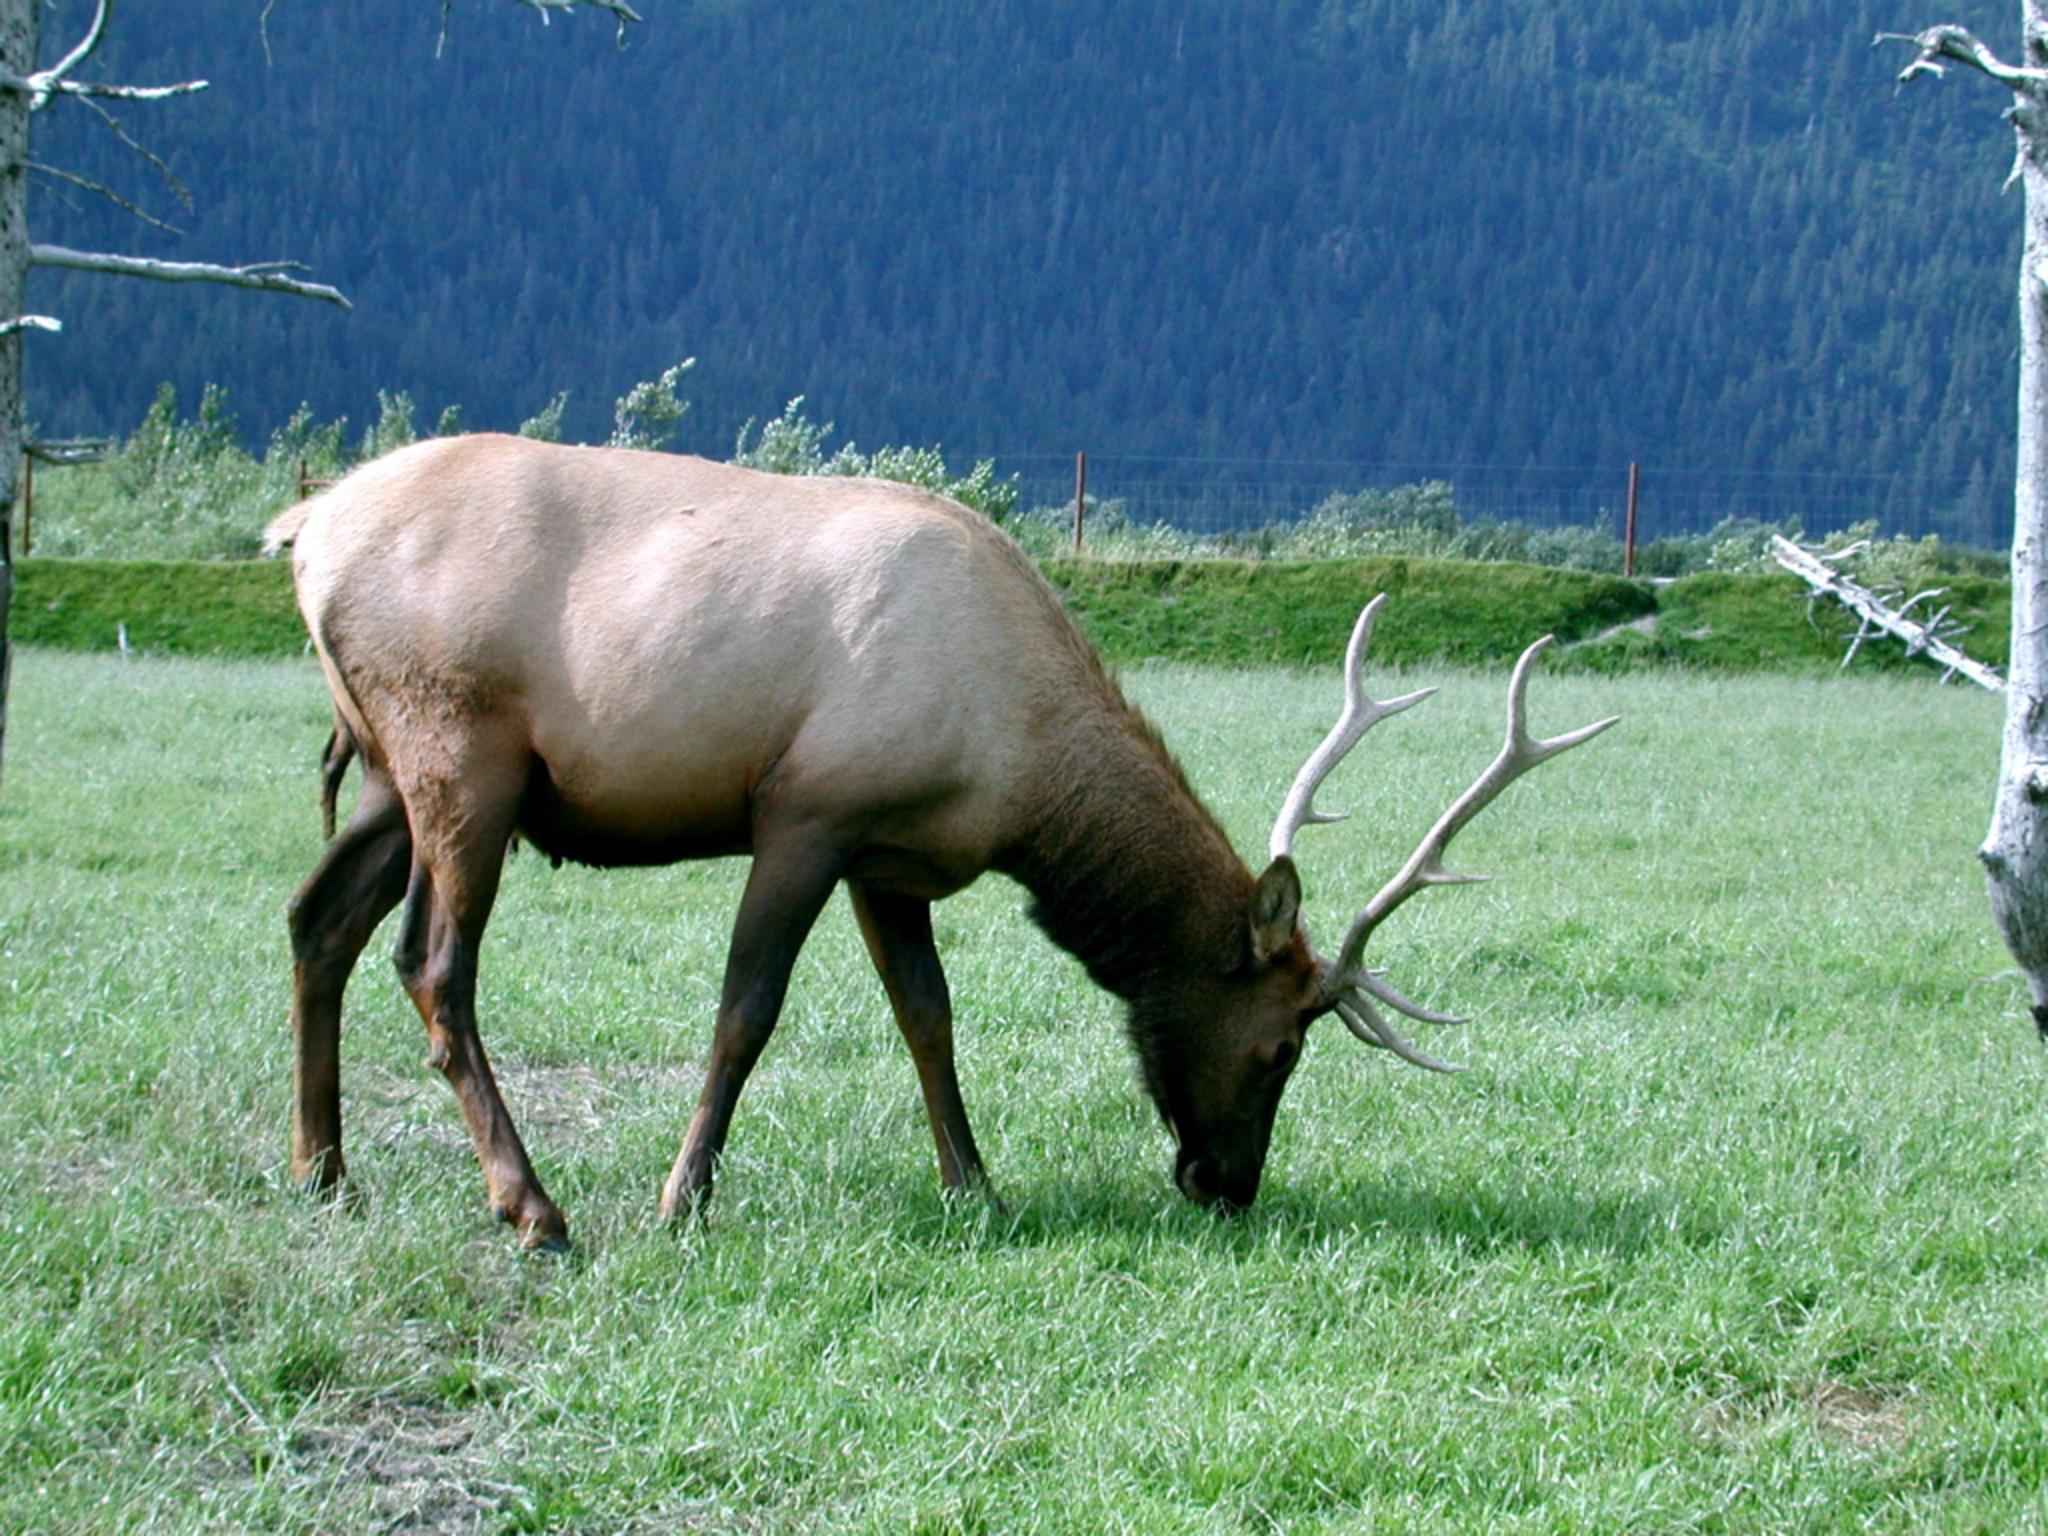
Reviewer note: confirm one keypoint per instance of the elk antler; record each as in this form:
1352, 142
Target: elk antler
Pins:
1361, 713
1348, 986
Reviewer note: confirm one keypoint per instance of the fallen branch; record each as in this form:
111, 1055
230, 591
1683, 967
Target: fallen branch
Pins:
1876, 613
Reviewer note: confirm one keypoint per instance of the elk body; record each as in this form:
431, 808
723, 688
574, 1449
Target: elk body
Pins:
630, 658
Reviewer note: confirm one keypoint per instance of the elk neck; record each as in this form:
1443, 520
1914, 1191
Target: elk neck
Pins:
1129, 871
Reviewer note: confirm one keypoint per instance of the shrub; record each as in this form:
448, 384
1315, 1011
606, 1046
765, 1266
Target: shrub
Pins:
646, 416
793, 444
545, 425
394, 428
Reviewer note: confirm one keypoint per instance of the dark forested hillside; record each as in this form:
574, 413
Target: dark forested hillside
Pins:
1507, 243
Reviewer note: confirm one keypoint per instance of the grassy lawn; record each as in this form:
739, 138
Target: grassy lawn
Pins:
1737, 1222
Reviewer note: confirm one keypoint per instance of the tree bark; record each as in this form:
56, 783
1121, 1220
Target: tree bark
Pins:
2015, 851
18, 24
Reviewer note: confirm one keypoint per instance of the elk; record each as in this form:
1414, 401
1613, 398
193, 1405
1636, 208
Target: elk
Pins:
630, 658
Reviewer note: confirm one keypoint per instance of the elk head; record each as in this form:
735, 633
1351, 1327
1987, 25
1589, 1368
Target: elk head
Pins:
1220, 1097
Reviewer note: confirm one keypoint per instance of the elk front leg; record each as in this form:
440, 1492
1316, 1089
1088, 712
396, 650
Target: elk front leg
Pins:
786, 889
331, 917
446, 907
898, 931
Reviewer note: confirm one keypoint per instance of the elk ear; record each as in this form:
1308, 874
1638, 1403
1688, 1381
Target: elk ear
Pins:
1276, 906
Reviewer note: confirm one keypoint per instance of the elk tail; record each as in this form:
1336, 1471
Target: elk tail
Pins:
335, 757
285, 527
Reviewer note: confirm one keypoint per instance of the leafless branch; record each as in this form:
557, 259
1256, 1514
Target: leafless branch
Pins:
619, 8
68, 450
269, 276
1931, 638
1959, 45
45, 84
624, 12
128, 92
87, 184
42, 83
1862, 632
130, 142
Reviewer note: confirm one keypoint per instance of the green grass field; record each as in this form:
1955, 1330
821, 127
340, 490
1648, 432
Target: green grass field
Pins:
1738, 1221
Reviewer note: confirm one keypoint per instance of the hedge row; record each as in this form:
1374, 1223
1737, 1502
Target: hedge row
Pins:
1227, 612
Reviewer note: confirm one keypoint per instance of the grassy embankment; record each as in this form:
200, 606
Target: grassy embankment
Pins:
1219, 612
1737, 1222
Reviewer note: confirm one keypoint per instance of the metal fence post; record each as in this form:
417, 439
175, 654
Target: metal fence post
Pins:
1080, 494
1628, 535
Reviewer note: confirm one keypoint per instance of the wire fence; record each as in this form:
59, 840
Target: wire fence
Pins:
1222, 496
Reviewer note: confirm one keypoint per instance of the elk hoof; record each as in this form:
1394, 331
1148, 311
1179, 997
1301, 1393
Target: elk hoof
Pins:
686, 1192
542, 1228
320, 1177
684, 1210
976, 1188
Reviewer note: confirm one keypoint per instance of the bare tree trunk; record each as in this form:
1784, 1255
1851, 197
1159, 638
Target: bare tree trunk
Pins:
2015, 851
18, 21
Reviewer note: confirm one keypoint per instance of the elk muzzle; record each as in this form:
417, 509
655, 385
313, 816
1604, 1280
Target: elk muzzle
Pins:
1210, 1181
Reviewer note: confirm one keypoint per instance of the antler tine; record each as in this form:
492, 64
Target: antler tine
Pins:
1375, 984
1517, 756
1360, 714
1364, 1021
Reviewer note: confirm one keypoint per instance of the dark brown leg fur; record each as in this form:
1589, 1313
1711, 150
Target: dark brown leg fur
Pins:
331, 917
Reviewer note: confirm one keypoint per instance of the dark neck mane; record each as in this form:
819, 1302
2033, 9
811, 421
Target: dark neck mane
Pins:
1130, 872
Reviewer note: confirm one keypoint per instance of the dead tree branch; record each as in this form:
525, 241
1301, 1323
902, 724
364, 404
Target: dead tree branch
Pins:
100, 189
1877, 614
269, 276
45, 84
619, 9
39, 86
1962, 46
1957, 45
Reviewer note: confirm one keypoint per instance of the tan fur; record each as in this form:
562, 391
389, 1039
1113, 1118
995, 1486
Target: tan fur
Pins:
665, 633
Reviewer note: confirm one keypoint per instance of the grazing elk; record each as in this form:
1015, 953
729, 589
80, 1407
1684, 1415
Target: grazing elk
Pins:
632, 658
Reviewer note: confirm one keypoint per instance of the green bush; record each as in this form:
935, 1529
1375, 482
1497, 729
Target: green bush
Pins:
545, 425
176, 489
185, 489
647, 415
793, 444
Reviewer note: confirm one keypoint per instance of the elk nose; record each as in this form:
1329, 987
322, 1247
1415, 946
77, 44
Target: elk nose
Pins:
1192, 1177
1200, 1181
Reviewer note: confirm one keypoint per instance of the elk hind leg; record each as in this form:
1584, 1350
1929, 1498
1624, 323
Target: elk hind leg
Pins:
787, 887
448, 901
359, 879
898, 931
